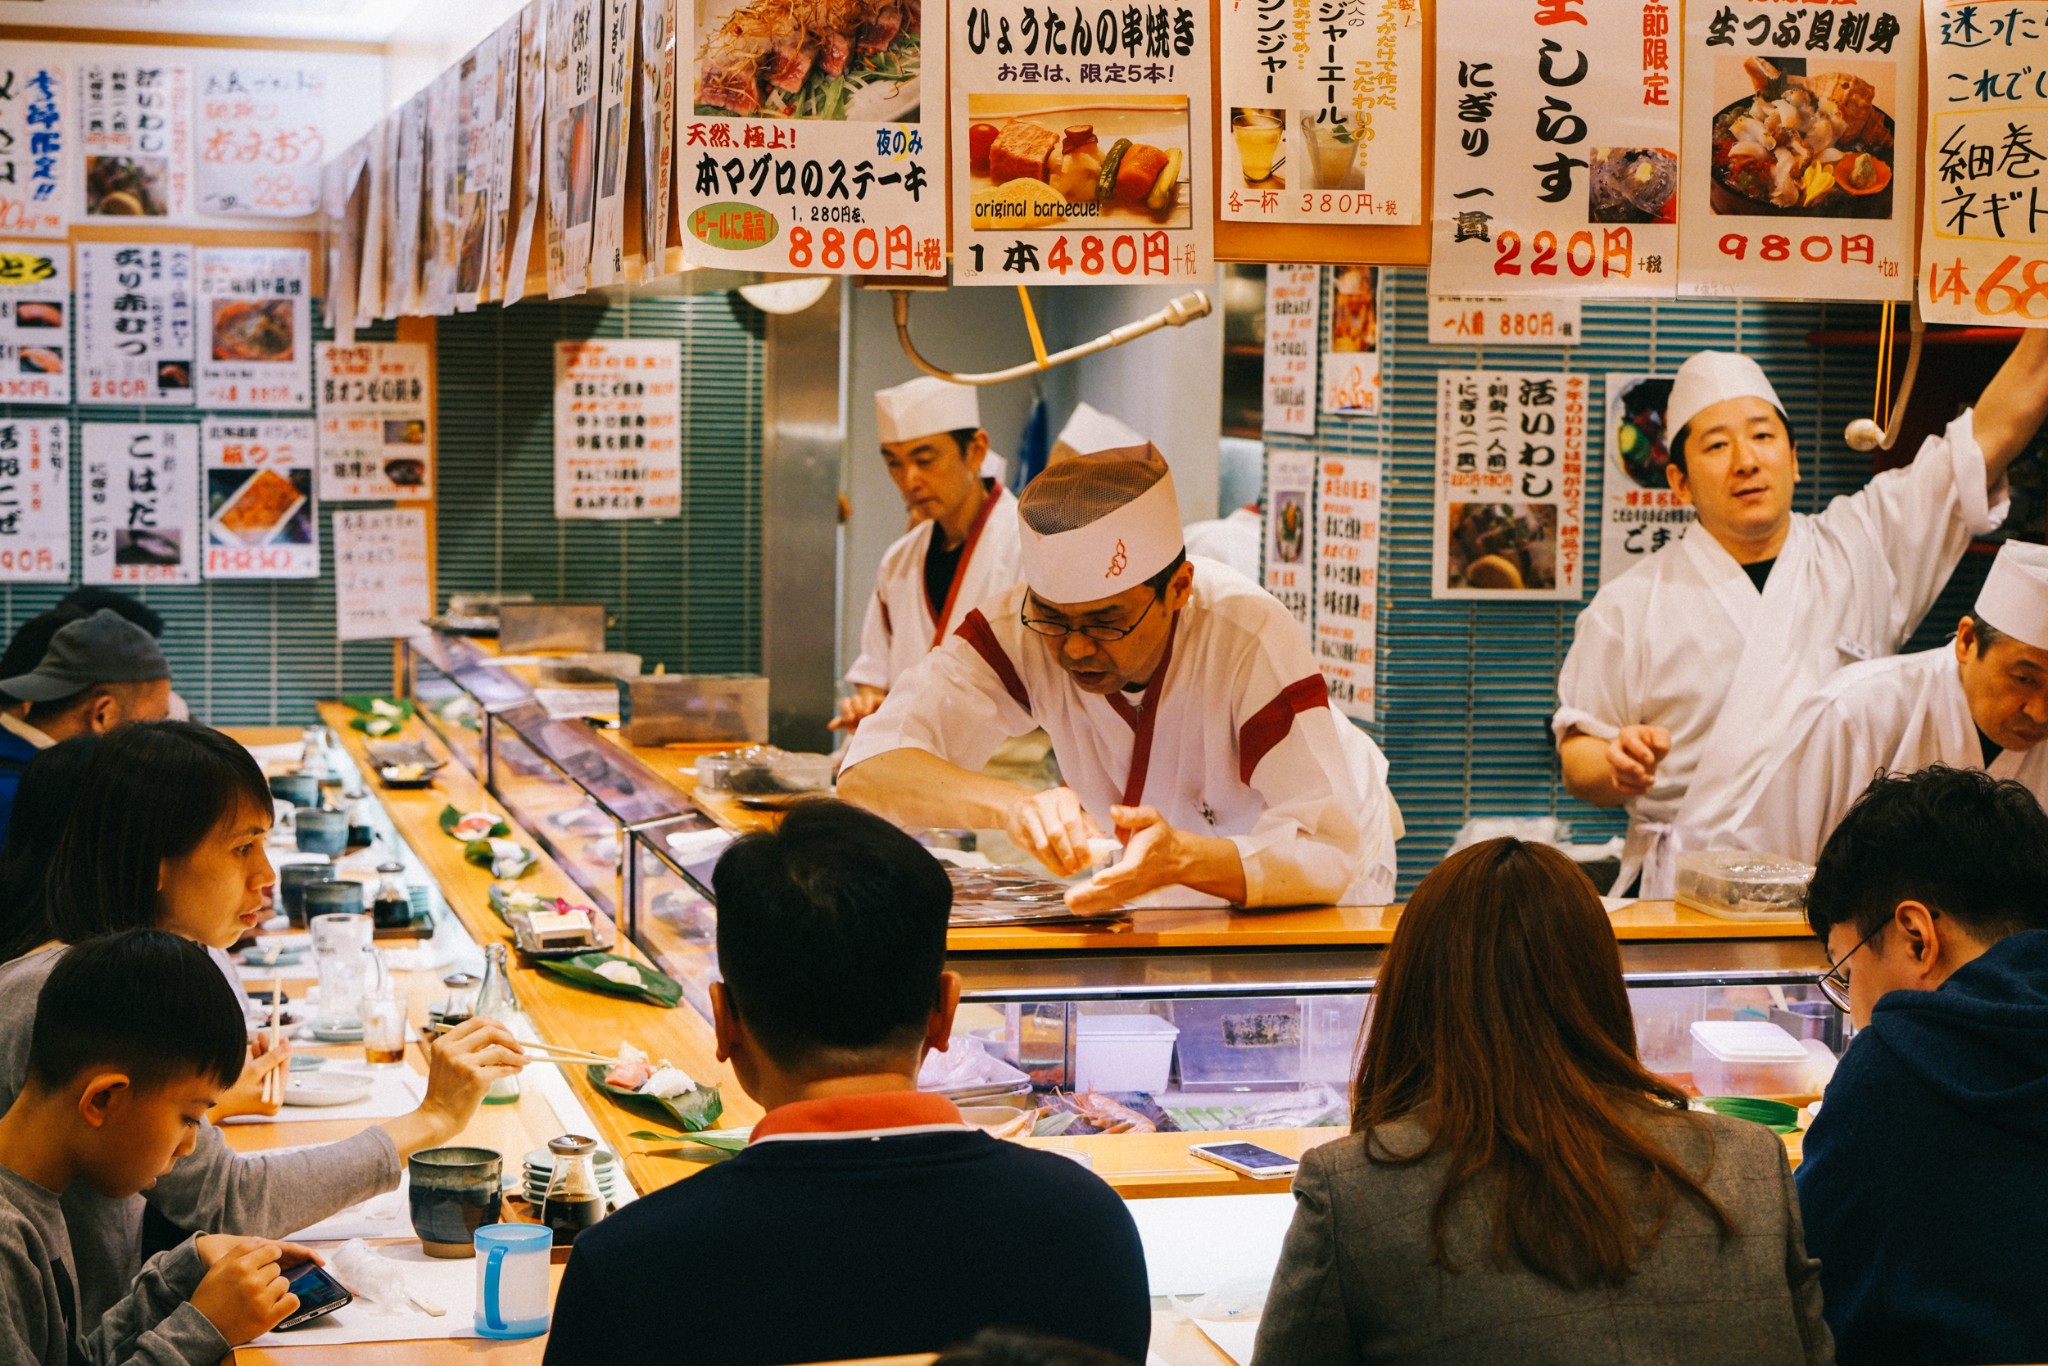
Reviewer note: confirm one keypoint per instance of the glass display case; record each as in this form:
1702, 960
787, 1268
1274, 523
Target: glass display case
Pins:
456, 683
669, 909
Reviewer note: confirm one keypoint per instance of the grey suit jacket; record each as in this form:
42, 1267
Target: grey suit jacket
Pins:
1355, 1282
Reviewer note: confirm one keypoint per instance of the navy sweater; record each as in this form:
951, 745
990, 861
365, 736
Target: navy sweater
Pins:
1925, 1180
825, 1249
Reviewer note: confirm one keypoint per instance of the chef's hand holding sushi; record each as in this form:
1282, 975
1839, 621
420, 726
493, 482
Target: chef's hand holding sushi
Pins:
1185, 711
1683, 675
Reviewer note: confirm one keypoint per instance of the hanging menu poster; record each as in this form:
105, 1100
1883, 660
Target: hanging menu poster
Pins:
135, 323
1799, 160
255, 327
504, 144
381, 149
617, 410
376, 429
1557, 135
1351, 369
260, 519
440, 223
1639, 513
1088, 137
135, 131
35, 302
529, 138
35, 145
827, 159
657, 106
1322, 110
1510, 485
475, 169
616, 80
575, 52
344, 208
141, 503
1985, 237
35, 500
382, 587
261, 139
1290, 481
402, 285
1348, 580
1294, 296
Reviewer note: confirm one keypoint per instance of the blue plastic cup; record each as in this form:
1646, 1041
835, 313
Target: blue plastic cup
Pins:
512, 1292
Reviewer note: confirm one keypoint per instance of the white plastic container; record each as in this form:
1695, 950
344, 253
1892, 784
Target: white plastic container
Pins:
1747, 1058
1123, 1052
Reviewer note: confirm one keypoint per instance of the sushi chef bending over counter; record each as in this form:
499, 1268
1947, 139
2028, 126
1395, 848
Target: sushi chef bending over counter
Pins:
1675, 696
963, 548
1980, 701
1184, 708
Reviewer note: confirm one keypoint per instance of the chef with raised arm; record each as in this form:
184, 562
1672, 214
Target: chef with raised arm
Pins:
962, 549
1185, 711
1676, 694
1979, 701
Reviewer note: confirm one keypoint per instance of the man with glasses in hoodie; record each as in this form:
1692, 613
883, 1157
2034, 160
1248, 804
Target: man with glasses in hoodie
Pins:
1925, 1175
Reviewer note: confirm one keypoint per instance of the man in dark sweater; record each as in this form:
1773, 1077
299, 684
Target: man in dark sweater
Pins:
1926, 1173
864, 1219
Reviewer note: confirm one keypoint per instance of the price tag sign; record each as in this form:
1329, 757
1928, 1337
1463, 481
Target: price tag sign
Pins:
1467, 320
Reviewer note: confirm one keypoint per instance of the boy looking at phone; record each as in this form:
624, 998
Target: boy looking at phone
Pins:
135, 1036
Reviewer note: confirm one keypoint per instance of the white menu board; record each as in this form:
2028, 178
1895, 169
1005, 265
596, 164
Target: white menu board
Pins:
1087, 139
135, 323
1294, 299
1639, 513
1351, 367
617, 79
35, 306
255, 327
1799, 165
376, 422
1557, 134
261, 521
35, 500
382, 587
135, 131
36, 133
1321, 111
1510, 485
141, 506
1290, 497
261, 138
575, 55
617, 413
1348, 580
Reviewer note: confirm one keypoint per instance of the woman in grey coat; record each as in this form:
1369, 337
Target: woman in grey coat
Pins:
1516, 1187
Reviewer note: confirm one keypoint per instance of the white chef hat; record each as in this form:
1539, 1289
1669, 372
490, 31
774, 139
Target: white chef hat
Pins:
1090, 430
923, 406
1709, 377
1097, 524
2015, 594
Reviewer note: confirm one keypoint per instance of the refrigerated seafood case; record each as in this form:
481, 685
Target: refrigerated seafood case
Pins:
669, 911
456, 684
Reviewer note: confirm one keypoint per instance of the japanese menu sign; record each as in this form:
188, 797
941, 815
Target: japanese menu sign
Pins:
1351, 367
575, 54
504, 142
408, 194
1557, 134
135, 319
657, 106
825, 159
528, 137
1639, 514
440, 215
255, 326
617, 78
260, 519
1986, 232
1294, 296
1322, 102
141, 512
1526, 320
1799, 166
35, 304
475, 170
617, 414
135, 132
382, 585
260, 139
35, 500
1510, 485
376, 428
35, 145
1290, 486
1348, 579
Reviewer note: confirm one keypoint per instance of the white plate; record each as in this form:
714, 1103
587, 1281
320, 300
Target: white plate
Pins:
327, 1088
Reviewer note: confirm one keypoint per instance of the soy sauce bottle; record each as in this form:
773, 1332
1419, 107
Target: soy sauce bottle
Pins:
574, 1201
391, 901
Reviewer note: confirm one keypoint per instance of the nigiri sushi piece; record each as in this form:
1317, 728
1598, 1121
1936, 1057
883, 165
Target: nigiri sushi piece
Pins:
667, 1083
630, 1074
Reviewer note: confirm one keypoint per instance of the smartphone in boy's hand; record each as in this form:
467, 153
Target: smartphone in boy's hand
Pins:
245, 1293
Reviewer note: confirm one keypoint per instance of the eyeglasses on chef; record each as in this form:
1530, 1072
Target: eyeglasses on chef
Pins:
1059, 630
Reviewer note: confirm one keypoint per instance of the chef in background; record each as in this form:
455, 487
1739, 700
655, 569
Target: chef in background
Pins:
961, 548
1980, 701
1675, 696
1185, 711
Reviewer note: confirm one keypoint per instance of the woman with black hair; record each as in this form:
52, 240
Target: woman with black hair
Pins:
50, 784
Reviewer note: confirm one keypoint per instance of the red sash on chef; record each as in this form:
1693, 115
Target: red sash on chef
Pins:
1141, 719
988, 505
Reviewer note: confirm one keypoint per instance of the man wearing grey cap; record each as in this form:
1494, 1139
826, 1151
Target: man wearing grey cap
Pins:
99, 672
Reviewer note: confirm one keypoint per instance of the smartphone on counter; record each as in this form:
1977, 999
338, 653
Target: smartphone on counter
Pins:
1248, 1159
319, 1294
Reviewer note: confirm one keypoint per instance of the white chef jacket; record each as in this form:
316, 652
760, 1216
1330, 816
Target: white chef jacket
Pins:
1901, 715
900, 628
1245, 744
1683, 640
1236, 540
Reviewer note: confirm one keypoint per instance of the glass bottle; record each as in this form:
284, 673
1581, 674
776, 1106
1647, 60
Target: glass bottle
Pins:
574, 1201
361, 822
461, 1001
390, 898
494, 1001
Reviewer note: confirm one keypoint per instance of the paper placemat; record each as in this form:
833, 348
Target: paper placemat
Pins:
381, 1216
450, 1283
394, 1091
1195, 1243
1233, 1337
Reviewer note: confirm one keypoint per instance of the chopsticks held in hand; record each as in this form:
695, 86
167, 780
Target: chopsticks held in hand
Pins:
273, 1080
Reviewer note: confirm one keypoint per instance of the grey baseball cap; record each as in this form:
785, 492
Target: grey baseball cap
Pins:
102, 648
